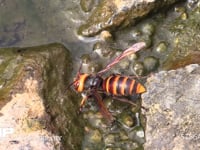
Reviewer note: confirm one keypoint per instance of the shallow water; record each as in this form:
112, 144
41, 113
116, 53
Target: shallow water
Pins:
30, 23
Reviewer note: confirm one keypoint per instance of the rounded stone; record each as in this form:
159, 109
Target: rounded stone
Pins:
150, 63
148, 29
161, 47
138, 68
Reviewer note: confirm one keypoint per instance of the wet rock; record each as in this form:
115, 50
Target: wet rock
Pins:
117, 13
123, 133
151, 63
85, 59
95, 136
92, 139
87, 5
35, 113
127, 120
103, 49
186, 39
148, 29
161, 47
137, 135
172, 99
110, 139
138, 68
106, 36
192, 3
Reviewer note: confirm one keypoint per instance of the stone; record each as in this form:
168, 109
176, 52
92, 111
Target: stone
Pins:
36, 111
113, 14
173, 114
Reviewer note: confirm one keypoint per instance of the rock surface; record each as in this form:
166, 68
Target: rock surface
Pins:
174, 110
24, 120
35, 113
119, 13
186, 40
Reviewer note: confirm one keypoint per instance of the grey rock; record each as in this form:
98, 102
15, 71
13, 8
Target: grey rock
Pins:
173, 115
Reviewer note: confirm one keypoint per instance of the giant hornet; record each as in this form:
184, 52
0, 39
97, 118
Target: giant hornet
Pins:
115, 85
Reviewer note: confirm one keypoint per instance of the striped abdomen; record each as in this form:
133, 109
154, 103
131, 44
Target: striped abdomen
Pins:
119, 85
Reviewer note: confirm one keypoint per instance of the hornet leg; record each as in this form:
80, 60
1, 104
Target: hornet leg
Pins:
128, 101
85, 97
124, 100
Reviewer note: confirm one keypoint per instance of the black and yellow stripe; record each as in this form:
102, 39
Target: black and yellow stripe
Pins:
119, 85
81, 82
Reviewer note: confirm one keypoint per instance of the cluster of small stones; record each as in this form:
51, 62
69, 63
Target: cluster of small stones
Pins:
125, 132
135, 64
